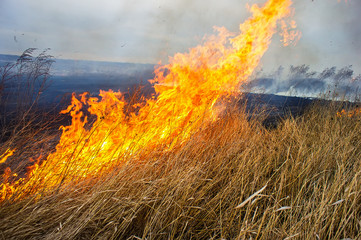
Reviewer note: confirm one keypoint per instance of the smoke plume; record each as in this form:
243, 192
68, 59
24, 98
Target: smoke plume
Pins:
303, 81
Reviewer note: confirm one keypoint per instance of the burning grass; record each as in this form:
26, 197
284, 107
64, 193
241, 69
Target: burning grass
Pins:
180, 165
234, 179
188, 91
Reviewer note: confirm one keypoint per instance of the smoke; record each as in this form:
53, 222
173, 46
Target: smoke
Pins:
330, 36
303, 81
146, 31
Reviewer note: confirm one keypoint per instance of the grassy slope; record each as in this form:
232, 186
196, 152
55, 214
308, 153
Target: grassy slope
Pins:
300, 180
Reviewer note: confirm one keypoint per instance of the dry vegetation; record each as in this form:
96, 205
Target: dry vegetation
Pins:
24, 125
231, 179
235, 179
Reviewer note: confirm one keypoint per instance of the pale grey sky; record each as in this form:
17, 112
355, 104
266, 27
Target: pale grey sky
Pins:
150, 30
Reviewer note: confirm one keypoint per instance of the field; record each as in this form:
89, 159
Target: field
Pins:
233, 179
187, 159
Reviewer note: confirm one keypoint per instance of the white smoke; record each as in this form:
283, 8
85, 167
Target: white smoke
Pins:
302, 81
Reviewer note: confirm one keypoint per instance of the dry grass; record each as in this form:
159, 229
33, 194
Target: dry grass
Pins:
24, 125
234, 179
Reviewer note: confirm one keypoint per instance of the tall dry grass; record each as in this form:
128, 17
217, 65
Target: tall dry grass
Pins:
235, 179
24, 125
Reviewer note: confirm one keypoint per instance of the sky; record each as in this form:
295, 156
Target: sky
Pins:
147, 31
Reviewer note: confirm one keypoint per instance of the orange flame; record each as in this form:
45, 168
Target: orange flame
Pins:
6, 155
187, 90
351, 113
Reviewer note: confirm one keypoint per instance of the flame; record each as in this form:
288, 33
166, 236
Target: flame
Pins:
9, 152
351, 113
187, 90
7, 188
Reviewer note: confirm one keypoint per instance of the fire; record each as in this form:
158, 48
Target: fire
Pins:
350, 113
6, 155
187, 90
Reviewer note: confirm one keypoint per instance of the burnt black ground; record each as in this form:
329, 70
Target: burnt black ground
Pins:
275, 107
